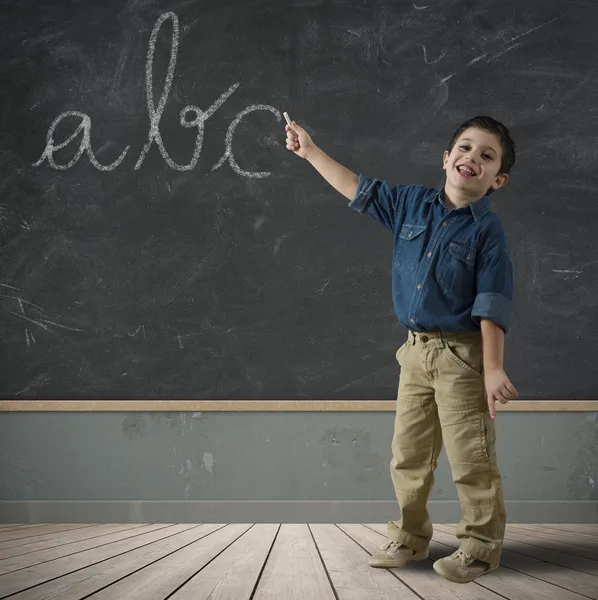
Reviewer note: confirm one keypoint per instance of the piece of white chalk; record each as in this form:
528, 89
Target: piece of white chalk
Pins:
286, 116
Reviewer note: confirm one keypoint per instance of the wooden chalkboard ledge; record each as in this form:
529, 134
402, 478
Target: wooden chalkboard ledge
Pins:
264, 405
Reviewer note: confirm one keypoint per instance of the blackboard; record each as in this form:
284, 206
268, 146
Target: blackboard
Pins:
198, 272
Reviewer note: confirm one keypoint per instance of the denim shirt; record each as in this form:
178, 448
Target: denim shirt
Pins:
450, 268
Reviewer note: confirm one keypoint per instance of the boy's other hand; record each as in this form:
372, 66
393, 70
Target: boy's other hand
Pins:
499, 389
298, 140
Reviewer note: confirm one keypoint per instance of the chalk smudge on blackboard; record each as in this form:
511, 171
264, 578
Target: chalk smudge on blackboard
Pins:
278, 243
323, 287
61, 326
506, 46
10, 312
140, 328
34, 385
29, 337
21, 301
259, 222
432, 62
3, 217
473, 61
502, 52
533, 29
447, 78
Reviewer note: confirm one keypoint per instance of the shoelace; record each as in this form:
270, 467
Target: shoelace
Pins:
391, 545
464, 558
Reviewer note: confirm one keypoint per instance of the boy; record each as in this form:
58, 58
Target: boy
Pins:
452, 289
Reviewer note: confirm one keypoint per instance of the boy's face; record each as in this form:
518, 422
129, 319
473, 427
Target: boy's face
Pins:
473, 166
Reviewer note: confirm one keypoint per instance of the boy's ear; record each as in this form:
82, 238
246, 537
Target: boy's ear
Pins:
445, 159
501, 180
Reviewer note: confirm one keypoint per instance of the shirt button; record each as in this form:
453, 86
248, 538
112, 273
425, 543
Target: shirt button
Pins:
429, 254
444, 223
419, 287
468, 257
410, 234
412, 320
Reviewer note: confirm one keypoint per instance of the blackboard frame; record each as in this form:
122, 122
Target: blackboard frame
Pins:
266, 406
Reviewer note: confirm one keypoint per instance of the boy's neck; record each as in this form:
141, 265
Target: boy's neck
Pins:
457, 199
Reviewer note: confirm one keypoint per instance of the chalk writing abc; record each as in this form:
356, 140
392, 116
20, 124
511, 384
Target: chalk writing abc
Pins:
190, 116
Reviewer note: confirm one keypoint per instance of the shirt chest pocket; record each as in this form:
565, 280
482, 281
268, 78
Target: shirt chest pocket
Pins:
409, 247
456, 271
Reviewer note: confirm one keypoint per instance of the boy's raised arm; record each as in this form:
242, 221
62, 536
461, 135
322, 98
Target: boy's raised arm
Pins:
340, 178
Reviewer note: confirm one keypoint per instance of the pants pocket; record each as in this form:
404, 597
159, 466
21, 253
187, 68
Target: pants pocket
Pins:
452, 354
400, 352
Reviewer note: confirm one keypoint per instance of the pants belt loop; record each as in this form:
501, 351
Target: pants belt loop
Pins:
440, 340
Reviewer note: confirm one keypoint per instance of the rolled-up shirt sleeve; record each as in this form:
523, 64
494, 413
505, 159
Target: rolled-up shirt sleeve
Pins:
494, 287
376, 198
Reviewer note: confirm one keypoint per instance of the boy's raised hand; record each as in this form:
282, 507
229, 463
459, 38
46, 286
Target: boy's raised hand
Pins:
499, 389
298, 140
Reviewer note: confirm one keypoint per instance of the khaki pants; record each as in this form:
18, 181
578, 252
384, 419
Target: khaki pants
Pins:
442, 397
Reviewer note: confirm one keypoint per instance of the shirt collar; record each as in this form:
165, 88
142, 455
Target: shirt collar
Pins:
478, 209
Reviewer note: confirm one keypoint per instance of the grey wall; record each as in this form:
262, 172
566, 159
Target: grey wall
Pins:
549, 462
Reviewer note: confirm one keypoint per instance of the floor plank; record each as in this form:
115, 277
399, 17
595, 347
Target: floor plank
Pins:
168, 574
294, 570
44, 536
552, 541
116, 533
16, 526
567, 579
577, 538
351, 576
7, 550
18, 534
589, 528
91, 567
233, 574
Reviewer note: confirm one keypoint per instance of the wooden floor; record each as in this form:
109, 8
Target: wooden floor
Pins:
279, 562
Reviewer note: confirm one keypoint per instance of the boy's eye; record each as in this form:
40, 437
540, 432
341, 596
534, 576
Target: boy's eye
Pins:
486, 156
464, 147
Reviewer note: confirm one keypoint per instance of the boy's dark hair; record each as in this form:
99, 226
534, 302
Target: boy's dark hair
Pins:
491, 126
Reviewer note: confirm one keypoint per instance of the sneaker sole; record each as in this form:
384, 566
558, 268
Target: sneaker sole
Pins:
456, 580
394, 565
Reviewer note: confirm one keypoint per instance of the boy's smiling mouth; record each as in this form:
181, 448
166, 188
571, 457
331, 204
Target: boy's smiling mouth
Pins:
466, 171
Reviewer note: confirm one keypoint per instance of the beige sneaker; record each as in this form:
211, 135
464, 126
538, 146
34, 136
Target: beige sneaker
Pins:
461, 567
394, 554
